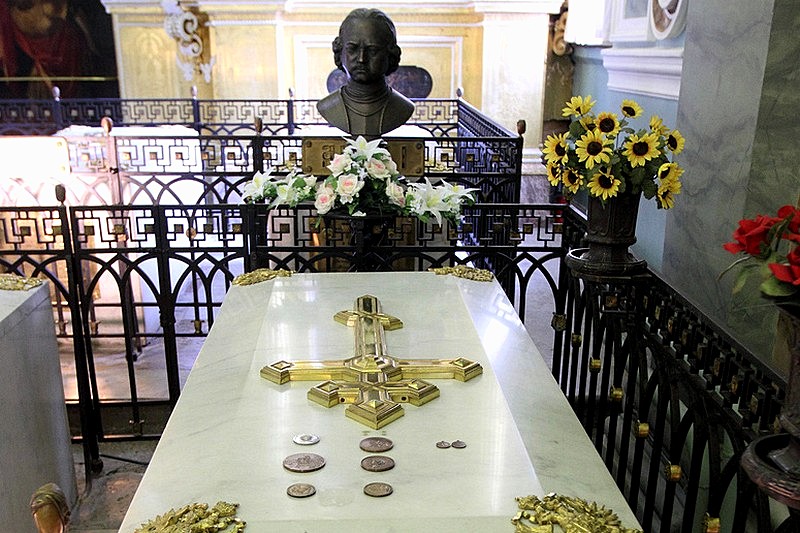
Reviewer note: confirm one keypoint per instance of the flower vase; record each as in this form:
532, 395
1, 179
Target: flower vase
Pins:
365, 234
610, 231
772, 462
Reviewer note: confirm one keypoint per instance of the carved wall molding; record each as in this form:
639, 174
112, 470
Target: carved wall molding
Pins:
188, 27
649, 71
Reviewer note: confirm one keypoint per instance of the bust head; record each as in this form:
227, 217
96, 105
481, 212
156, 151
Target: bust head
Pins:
366, 48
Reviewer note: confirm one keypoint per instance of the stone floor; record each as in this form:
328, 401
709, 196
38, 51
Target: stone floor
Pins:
102, 504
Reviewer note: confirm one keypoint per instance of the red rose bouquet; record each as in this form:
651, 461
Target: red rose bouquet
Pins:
769, 247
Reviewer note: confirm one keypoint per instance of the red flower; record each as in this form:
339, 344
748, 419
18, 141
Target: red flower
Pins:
792, 214
752, 236
788, 273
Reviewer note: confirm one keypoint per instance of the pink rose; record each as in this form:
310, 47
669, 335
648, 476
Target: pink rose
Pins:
347, 187
378, 169
396, 194
340, 163
324, 199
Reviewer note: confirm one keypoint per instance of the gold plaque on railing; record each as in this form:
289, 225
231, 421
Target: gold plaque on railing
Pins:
409, 157
318, 152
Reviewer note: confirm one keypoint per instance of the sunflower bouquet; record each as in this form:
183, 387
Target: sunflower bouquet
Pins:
601, 154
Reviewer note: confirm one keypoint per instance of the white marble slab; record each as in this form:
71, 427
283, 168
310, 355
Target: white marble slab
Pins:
231, 428
36, 441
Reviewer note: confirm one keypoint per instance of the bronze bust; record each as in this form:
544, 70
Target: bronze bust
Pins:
366, 50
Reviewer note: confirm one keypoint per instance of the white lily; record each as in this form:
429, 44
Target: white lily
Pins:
427, 199
368, 149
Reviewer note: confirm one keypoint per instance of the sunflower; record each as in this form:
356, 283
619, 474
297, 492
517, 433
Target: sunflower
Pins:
572, 180
640, 149
608, 123
578, 106
669, 172
588, 122
555, 148
666, 193
675, 142
593, 148
553, 173
604, 184
657, 125
631, 109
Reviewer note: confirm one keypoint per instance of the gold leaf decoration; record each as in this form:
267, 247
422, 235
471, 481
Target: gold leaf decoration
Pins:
463, 271
12, 282
260, 274
196, 518
571, 515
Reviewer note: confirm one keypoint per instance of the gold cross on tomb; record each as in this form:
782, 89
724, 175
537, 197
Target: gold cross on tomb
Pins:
372, 382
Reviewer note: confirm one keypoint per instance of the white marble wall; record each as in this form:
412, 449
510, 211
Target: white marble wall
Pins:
736, 110
36, 441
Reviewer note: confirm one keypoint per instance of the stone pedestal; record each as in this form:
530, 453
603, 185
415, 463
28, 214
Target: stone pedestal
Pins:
36, 440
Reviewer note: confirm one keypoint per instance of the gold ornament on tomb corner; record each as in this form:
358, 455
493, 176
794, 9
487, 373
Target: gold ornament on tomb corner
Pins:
260, 274
463, 271
372, 382
569, 514
196, 517
12, 282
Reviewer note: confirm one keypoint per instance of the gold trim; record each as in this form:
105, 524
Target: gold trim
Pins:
571, 514
260, 274
12, 282
463, 271
219, 518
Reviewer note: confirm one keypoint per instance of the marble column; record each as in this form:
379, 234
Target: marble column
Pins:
737, 109
515, 40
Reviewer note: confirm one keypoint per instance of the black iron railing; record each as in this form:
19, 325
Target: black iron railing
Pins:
669, 400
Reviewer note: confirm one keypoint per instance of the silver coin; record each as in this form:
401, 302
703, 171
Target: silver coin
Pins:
303, 462
378, 489
377, 463
458, 444
376, 444
301, 490
305, 439
443, 444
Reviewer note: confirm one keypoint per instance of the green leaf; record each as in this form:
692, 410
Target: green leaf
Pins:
776, 288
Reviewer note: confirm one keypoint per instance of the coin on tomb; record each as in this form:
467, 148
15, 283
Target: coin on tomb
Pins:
305, 439
376, 444
303, 462
377, 463
301, 490
458, 444
443, 444
377, 489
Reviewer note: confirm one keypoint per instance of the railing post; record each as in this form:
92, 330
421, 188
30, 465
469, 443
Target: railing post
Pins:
89, 416
258, 146
197, 123
290, 125
58, 115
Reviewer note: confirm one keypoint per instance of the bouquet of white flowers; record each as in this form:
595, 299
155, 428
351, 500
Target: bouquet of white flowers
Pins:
363, 180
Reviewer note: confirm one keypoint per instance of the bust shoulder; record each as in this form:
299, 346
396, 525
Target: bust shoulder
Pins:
398, 110
333, 110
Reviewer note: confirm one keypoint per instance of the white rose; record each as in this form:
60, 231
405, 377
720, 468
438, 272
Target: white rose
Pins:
325, 199
347, 187
396, 194
340, 163
377, 169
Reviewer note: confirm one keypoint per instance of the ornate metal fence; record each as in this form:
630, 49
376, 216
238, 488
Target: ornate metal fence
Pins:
668, 399
215, 117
